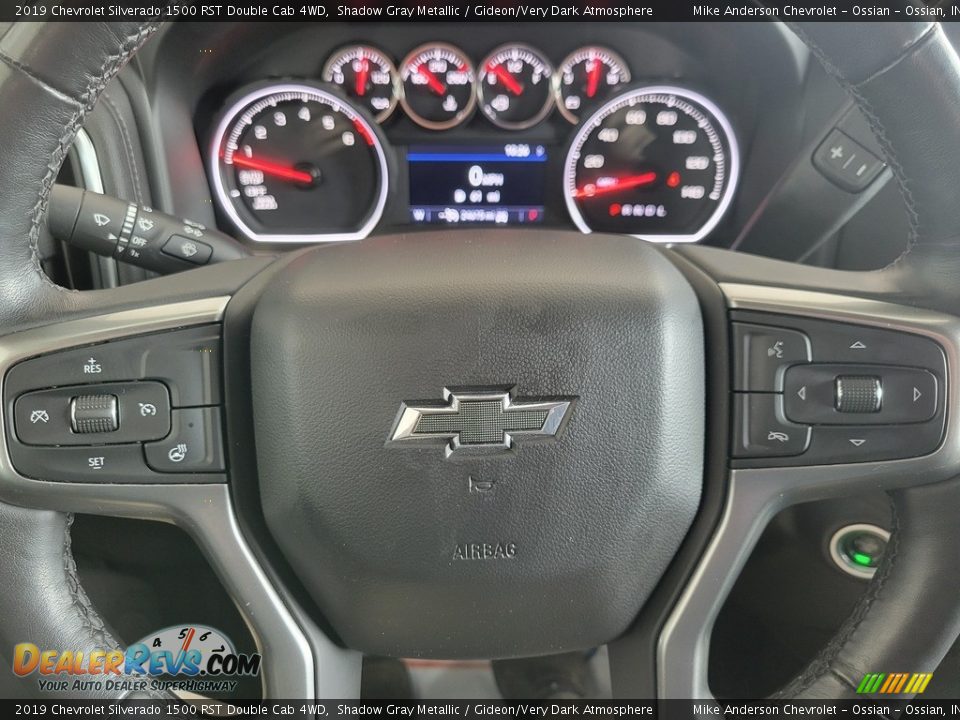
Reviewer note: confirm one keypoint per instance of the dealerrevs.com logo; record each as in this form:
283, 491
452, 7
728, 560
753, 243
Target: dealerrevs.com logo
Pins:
183, 657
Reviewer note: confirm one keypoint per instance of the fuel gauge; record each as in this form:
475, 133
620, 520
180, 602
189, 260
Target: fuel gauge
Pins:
367, 76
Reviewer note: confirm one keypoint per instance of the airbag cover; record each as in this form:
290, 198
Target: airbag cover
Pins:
579, 528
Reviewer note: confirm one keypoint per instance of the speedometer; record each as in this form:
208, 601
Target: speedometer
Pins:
292, 162
659, 163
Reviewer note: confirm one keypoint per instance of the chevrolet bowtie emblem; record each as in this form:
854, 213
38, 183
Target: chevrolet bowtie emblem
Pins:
478, 420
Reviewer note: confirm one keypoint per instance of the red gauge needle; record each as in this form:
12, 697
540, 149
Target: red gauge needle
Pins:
432, 82
271, 168
593, 78
361, 77
508, 80
615, 185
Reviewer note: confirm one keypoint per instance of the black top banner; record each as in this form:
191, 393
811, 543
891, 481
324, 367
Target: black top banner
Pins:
484, 10
482, 710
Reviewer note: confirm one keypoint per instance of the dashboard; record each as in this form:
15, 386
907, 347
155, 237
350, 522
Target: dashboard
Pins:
338, 131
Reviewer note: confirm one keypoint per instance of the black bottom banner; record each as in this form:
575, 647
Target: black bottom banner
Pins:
297, 709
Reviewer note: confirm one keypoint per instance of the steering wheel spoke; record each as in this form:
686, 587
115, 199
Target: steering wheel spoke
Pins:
120, 414
788, 450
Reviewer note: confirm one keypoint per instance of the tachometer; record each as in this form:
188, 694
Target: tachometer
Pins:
366, 76
659, 163
587, 77
438, 86
292, 162
514, 86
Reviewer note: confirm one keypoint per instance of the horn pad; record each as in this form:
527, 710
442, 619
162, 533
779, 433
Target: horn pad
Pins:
487, 523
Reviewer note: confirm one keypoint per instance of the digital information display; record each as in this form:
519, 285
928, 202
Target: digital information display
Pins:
498, 185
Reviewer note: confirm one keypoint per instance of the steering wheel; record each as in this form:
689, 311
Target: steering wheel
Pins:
358, 386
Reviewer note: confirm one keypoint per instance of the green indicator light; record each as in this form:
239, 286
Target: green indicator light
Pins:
862, 559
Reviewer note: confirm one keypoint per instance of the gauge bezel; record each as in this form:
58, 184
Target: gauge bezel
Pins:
396, 86
462, 116
548, 103
558, 77
593, 121
229, 116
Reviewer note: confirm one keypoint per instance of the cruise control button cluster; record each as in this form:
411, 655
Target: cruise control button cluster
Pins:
138, 410
813, 392
91, 414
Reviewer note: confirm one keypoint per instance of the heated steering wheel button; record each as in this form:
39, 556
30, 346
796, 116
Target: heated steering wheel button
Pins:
195, 444
763, 353
761, 430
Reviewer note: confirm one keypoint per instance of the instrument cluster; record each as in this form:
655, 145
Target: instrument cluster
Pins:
439, 86
303, 160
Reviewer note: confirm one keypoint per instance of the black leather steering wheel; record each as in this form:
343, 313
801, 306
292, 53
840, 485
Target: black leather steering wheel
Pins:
905, 77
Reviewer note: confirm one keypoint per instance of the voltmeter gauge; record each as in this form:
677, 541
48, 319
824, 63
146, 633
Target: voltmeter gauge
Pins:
366, 76
514, 84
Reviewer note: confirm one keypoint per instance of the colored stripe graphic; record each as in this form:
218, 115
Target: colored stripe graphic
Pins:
894, 683
891, 680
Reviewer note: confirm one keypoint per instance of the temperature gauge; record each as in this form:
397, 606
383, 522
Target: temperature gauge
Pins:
587, 77
514, 87
366, 76
438, 86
